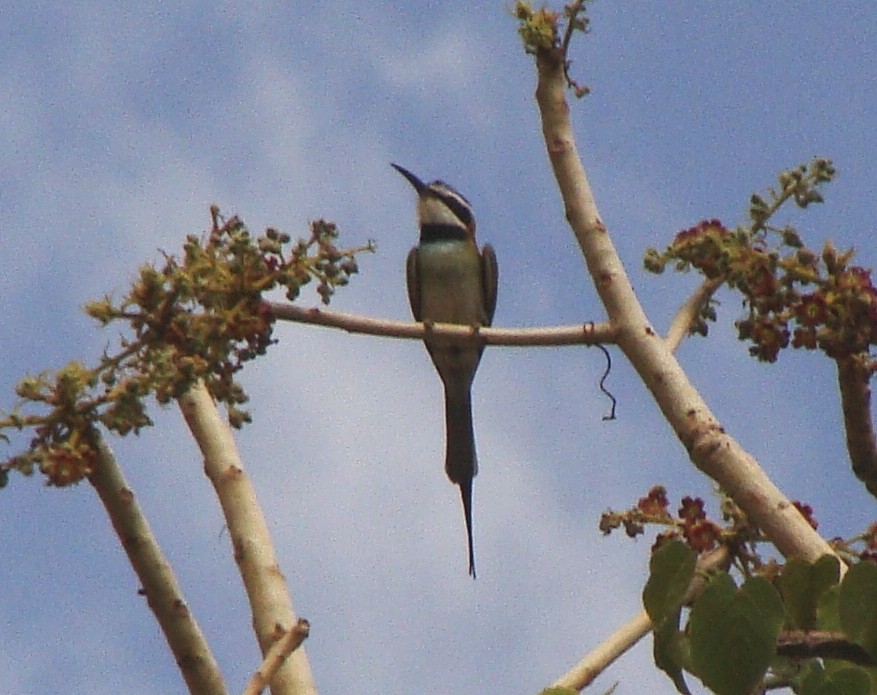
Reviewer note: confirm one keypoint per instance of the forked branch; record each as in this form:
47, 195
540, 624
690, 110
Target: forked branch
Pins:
711, 449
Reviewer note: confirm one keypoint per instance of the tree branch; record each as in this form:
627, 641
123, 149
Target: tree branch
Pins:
159, 586
285, 645
270, 602
603, 655
854, 376
584, 334
689, 311
710, 448
822, 645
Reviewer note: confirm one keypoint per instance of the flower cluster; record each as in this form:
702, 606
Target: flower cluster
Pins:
734, 530
793, 294
201, 318
807, 512
690, 522
544, 32
860, 547
538, 28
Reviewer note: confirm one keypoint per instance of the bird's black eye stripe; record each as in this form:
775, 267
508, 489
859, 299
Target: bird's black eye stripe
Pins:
460, 209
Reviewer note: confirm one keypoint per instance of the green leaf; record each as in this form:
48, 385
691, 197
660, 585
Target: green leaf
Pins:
733, 633
802, 585
811, 677
857, 606
847, 680
851, 680
827, 612
672, 653
559, 691
671, 571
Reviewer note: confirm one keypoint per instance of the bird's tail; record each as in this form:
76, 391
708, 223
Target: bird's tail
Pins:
461, 463
466, 494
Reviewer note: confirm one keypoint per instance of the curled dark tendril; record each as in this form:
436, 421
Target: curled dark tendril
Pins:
611, 415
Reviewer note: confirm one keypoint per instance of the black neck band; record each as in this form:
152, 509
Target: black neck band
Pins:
442, 232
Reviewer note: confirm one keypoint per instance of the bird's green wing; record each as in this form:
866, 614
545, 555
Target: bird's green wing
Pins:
413, 279
489, 279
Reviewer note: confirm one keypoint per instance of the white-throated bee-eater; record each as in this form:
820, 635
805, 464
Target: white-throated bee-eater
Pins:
451, 281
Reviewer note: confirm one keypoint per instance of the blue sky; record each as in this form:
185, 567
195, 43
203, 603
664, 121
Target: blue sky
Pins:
123, 124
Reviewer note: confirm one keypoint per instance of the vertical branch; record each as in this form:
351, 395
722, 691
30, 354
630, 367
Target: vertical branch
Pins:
163, 594
854, 377
712, 451
603, 263
265, 585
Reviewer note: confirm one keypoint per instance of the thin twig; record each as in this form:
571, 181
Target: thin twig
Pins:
572, 13
285, 645
689, 311
822, 645
585, 334
631, 632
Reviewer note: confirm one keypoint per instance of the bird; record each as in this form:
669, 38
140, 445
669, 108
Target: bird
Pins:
451, 281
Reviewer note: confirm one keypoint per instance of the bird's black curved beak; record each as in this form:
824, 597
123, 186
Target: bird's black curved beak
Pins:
419, 186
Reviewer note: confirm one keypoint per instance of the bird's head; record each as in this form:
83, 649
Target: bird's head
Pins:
439, 206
